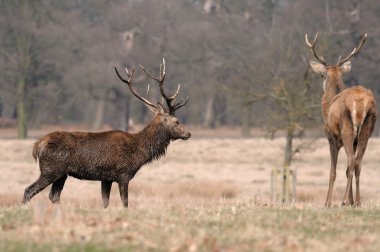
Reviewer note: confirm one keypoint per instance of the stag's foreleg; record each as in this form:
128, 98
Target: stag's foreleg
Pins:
123, 188
334, 150
56, 189
106, 190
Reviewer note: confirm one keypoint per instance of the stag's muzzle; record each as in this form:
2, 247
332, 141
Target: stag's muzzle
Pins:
186, 136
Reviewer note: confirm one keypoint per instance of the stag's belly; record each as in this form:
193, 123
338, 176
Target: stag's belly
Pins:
94, 173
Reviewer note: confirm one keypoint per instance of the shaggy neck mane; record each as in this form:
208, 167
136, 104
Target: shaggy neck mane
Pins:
154, 140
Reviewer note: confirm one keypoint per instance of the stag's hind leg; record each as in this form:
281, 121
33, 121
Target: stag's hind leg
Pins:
41, 183
106, 190
348, 140
365, 133
56, 189
350, 193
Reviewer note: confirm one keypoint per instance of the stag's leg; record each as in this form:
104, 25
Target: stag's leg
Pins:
349, 149
366, 131
56, 189
357, 176
106, 190
123, 188
334, 150
41, 183
358, 162
350, 194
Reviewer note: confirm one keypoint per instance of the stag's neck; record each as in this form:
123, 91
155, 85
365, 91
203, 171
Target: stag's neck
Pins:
334, 86
153, 141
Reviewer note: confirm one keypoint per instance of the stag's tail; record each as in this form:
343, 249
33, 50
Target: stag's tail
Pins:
361, 108
358, 114
37, 149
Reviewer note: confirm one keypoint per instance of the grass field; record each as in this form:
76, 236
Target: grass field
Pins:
207, 194
245, 226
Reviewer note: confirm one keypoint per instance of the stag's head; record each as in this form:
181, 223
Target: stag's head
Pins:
164, 118
170, 123
328, 71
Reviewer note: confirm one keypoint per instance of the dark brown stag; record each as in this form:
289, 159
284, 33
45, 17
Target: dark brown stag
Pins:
349, 116
112, 156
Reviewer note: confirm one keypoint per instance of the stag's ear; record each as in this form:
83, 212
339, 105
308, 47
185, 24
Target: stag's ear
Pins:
345, 67
318, 67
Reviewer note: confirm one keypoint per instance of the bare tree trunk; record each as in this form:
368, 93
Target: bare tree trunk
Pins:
127, 114
1, 107
287, 162
209, 121
21, 109
99, 114
246, 120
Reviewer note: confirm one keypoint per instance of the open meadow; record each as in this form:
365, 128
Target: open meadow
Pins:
206, 194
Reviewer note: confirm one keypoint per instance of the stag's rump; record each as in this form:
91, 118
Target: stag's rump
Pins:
361, 103
83, 155
350, 109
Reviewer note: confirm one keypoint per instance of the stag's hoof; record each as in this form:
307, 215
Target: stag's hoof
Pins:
25, 200
357, 204
346, 203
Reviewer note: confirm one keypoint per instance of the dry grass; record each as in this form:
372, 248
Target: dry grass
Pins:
168, 226
207, 194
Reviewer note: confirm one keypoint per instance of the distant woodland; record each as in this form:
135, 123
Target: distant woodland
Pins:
243, 63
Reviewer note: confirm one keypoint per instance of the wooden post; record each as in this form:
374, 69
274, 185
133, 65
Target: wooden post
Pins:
288, 179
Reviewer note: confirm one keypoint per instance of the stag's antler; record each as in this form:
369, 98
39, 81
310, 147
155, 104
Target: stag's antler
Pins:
170, 100
355, 51
312, 47
131, 87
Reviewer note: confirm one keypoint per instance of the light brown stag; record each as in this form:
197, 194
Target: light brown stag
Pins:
349, 116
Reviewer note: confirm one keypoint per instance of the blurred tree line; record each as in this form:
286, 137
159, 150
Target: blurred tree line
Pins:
242, 63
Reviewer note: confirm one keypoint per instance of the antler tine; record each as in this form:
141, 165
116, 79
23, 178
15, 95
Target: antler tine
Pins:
172, 98
130, 75
147, 73
130, 85
312, 48
181, 104
307, 40
147, 92
162, 70
159, 79
355, 51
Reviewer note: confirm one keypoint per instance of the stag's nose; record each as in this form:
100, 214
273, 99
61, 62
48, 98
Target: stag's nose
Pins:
186, 136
